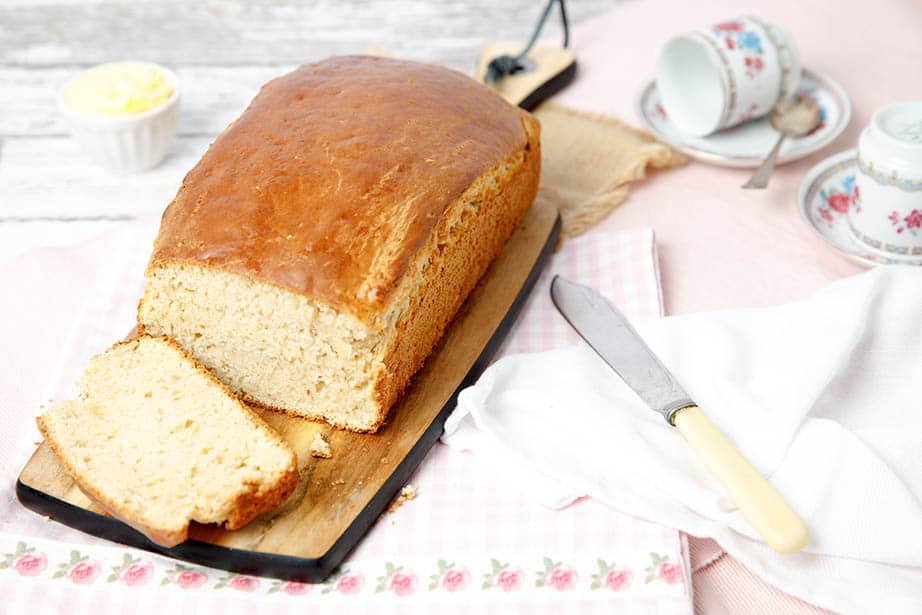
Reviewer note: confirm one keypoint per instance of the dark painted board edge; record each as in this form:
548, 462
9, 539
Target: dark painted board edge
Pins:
286, 566
549, 87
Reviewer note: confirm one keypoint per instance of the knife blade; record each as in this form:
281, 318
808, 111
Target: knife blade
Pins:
609, 333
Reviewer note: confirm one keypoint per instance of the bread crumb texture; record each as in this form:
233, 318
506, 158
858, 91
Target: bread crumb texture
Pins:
158, 442
320, 447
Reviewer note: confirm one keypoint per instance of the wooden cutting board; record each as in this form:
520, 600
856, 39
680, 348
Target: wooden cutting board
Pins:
337, 499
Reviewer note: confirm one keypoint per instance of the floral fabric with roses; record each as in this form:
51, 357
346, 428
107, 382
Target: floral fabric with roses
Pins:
469, 581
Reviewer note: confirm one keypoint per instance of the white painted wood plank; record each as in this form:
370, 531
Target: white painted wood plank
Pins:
46, 178
247, 32
211, 97
223, 50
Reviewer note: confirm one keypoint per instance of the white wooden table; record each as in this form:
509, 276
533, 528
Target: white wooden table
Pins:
222, 50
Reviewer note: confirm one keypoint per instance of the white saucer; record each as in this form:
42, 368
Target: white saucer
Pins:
831, 178
747, 144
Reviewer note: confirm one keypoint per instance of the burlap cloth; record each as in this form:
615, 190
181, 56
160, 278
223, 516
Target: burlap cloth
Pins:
589, 161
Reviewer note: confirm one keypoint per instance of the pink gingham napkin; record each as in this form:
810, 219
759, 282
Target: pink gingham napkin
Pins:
622, 265
471, 540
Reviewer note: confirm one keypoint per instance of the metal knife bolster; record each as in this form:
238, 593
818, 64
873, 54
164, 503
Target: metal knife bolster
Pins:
610, 334
672, 409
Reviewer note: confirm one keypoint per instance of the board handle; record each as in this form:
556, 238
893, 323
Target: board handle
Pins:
760, 504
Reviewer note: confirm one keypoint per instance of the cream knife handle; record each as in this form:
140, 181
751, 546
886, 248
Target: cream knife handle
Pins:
762, 507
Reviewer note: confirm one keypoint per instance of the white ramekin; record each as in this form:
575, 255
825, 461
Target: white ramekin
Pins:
130, 143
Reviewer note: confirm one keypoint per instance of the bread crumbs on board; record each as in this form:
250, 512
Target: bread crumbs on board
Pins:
320, 447
406, 494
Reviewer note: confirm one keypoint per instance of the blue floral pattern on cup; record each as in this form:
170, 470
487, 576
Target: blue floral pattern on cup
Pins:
737, 38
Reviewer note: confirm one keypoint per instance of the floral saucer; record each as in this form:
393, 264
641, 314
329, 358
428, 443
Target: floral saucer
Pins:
825, 195
746, 145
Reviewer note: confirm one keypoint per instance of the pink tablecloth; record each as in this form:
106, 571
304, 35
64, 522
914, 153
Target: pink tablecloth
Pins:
471, 541
720, 246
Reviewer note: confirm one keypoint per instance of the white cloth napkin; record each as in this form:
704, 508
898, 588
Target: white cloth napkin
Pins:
824, 397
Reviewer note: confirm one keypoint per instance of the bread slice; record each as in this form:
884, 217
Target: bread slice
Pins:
158, 442
315, 255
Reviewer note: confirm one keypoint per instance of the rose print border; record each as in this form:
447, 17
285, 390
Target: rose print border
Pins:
663, 569
557, 575
25, 561
395, 580
612, 577
450, 577
132, 571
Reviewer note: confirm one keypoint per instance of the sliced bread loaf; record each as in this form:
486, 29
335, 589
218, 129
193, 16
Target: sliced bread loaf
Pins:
158, 442
315, 255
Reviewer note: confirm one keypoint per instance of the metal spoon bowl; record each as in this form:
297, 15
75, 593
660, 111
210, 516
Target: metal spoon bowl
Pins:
794, 117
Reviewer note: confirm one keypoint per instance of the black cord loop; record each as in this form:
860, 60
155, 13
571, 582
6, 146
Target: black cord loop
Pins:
506, 65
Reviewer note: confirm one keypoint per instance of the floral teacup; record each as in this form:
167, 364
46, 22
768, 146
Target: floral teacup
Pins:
887, 214
717, 77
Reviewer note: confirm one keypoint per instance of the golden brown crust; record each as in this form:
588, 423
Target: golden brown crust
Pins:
255, 500
259, 499
452, 274
336, 175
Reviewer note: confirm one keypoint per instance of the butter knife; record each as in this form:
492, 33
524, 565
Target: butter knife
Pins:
609, 333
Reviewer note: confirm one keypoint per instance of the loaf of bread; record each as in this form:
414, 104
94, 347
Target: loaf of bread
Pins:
315, 255
158, 442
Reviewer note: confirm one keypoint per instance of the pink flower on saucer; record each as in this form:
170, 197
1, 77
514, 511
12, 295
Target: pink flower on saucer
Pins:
838, 202
914, 219
30, 564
